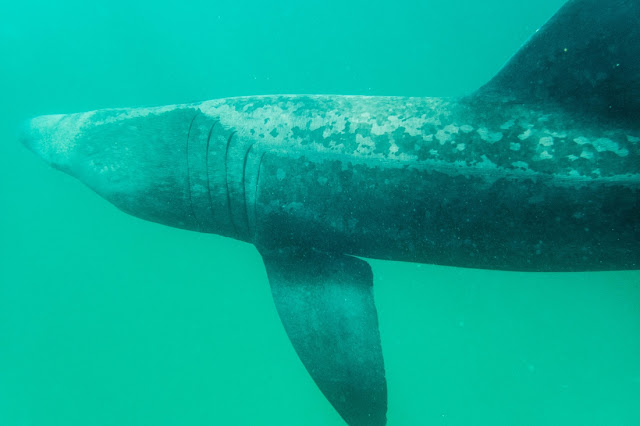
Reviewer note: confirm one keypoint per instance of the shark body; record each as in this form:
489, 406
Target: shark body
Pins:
539, 170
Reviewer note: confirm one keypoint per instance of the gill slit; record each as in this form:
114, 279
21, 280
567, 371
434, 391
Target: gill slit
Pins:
244, 188
193, 213
255, 198
206, 165
226, 178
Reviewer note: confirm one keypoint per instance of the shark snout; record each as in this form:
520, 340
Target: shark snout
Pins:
49, 137
27, 136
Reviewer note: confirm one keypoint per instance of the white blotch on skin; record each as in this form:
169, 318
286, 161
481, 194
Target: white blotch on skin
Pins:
524, 135
466, 128
514, 146
581, 140
486, 163
335, 147
520, 165
451, 128
488, 136
633, 139
316, 122
544, 155
546, 141
559, 135
413, 125
460, 147
445, 134
586, 154
572, 157
281, 174
365, 144
509, 124
393, 148
606, 144
380, 130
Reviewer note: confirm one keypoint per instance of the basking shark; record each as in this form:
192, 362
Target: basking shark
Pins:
538, 170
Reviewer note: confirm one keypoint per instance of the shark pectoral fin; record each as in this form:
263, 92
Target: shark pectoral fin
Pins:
325, 302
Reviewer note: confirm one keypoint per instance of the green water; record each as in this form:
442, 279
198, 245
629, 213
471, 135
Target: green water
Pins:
109, 320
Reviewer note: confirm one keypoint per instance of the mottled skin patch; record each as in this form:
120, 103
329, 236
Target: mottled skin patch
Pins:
419, 125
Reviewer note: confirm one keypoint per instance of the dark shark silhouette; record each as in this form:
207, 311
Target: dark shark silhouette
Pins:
539, 170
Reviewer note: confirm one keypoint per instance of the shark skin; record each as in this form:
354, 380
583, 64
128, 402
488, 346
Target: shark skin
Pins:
414, 179
536, 171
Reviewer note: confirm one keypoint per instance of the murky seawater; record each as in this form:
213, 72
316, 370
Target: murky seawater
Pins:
109, 320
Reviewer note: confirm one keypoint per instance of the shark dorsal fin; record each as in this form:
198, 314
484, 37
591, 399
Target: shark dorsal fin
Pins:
586, 58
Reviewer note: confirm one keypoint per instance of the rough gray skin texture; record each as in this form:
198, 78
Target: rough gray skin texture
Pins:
483, 183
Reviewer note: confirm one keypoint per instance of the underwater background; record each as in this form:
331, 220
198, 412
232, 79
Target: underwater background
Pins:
109, 320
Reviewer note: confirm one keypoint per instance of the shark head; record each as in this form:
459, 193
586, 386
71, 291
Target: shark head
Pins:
135, 159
